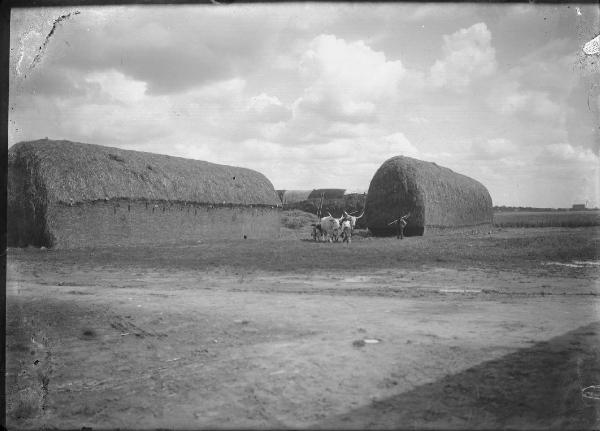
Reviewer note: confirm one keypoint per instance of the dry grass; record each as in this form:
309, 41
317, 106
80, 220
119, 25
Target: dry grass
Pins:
64, 171
296, 219
435, 196
547, 219
508, 249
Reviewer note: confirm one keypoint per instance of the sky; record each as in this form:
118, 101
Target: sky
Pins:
318, 95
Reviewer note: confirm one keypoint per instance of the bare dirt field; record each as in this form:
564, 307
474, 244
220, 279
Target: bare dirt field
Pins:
465, 330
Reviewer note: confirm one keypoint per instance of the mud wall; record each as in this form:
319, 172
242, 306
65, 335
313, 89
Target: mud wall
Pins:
123, 223
25, 210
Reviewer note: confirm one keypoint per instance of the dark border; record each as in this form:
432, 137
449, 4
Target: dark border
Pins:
5, 7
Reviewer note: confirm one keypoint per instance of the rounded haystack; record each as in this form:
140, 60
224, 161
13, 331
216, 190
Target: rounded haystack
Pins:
436, 198
66, 194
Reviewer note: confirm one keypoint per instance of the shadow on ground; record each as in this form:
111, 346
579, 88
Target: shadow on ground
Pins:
535, 387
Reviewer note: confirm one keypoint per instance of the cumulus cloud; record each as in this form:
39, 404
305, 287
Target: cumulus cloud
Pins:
340, 162
268, 109
565, 152
118, 86
493, 149
467, 55
347, 80
171, 49
509, 98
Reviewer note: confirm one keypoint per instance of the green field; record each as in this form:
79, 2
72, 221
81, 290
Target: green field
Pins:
547, 219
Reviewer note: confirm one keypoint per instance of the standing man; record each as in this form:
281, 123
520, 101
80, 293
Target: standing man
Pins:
400, 225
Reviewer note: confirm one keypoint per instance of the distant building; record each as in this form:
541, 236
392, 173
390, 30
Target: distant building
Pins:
578, 207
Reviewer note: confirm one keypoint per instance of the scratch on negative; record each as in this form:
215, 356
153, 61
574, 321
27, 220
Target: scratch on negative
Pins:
593, 46
42, 48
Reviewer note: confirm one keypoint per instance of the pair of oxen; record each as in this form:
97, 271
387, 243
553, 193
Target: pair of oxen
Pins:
331, 229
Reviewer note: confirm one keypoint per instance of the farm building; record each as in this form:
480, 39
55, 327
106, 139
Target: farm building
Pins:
293, 196
67, 195
436, 198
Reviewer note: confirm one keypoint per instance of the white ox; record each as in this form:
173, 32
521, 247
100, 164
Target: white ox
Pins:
346, 231
352, 219
327, 228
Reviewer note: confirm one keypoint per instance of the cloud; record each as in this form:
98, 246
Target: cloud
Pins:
171, 49
494, 149
347, 81
316, 95
508, 98
565, 152
118, 86
267, 109
468, 55
341, 162
433, 12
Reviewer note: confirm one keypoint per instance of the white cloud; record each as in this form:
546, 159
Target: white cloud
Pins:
468, 55
118, 86
346, 80
428, 12
340, 162
564, 152
419, 120
509, 98
493, 149
268, 109
397, 144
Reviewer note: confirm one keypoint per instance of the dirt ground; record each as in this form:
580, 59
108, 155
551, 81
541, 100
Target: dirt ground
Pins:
485, 330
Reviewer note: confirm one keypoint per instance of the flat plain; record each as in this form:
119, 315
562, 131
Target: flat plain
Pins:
547, 218
471, 330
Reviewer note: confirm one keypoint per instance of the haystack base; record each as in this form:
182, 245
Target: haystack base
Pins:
131, 223
431, 230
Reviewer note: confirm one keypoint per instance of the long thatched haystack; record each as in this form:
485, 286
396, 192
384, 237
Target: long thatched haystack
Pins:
436, 198
47, 178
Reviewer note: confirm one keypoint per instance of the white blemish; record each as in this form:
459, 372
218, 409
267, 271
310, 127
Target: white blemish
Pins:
357, 279
587, 262
32, 34
578, 11
591, 392
575, 263
593, 46
570, 265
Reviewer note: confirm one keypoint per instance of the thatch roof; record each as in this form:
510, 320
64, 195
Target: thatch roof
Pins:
436, 197
64, 171
329, 193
